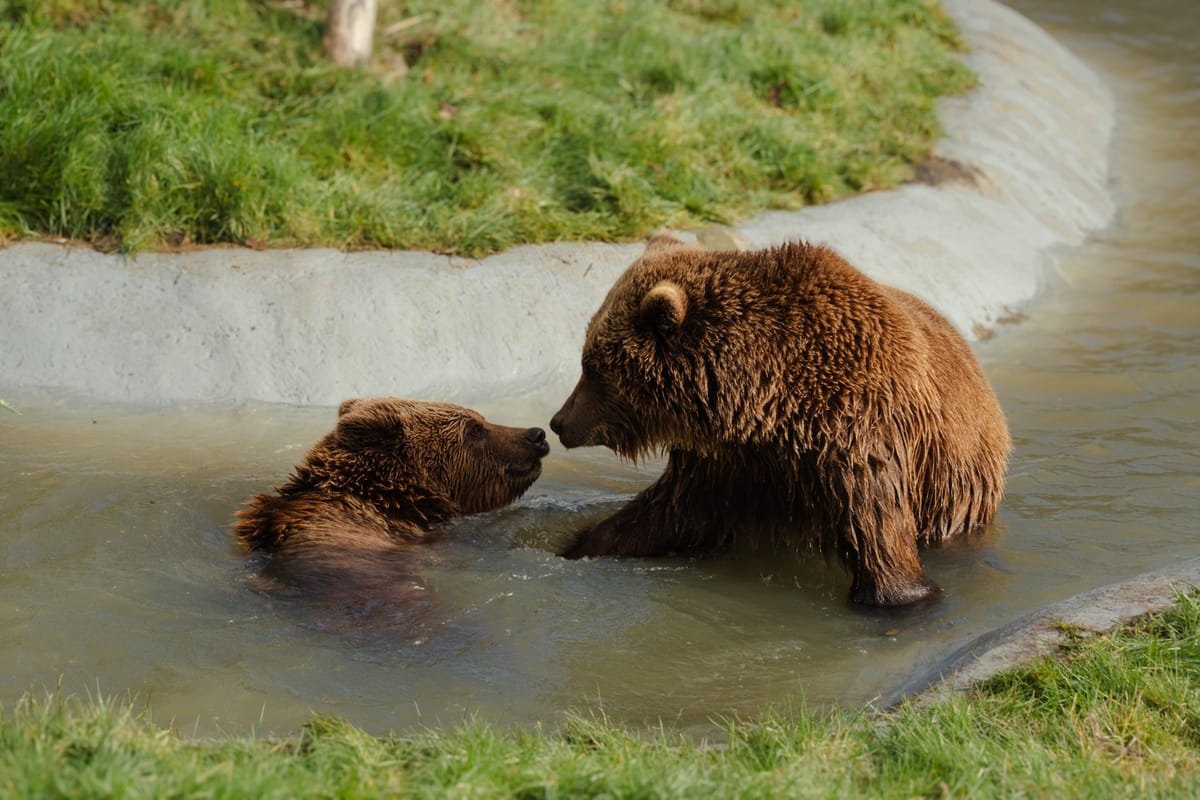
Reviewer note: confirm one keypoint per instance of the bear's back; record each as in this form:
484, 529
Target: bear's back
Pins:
314, 519
867, 366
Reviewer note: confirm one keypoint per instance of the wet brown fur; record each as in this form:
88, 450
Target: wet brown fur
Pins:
374, 489
796, 398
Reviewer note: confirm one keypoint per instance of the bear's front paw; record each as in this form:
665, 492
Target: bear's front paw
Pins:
606, 538
581, 545
572, 550
898, 591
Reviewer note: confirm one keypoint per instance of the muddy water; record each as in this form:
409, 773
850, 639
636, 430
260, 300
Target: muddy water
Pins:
117, 571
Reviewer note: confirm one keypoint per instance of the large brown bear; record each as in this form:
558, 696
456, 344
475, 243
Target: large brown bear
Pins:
798, 400
346, 523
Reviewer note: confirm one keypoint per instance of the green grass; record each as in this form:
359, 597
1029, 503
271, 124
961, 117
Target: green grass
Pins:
1112, 717
140, 125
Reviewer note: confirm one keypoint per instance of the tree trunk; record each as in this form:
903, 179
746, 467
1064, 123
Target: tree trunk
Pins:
349, 31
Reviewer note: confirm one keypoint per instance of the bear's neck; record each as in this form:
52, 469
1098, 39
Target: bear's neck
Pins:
400, 503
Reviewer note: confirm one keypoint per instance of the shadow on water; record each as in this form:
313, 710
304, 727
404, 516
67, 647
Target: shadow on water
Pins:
117, 568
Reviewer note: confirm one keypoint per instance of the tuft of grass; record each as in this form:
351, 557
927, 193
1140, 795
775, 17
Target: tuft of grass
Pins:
1111, 717
147, 125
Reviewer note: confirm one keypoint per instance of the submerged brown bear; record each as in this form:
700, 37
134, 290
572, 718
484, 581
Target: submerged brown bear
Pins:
346, 522
796, 399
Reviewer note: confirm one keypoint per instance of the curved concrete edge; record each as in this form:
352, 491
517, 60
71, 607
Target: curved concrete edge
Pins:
1031, 147
317, 326
1017, 644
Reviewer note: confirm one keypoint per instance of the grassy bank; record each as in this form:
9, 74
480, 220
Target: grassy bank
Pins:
148, 124
1112, 717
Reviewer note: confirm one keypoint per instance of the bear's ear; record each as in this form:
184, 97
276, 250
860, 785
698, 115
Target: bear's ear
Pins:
348, 405
369, 432
661, 244
664, 307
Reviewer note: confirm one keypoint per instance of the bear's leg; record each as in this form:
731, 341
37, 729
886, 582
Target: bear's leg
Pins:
663, 518
879, 545
629, 532
884, 581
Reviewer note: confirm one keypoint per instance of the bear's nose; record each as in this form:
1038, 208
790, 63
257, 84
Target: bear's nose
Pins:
537, 438
556, 424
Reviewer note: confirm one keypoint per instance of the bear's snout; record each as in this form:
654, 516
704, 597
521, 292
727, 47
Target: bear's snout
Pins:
560, 424
537, 438
563, 419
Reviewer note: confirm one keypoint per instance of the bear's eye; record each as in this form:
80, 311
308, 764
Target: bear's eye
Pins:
474, 430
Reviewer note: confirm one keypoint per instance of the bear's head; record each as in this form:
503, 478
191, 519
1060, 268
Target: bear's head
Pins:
426, 460
655, 359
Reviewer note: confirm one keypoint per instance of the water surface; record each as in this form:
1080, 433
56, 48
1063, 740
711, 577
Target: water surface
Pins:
117, 571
